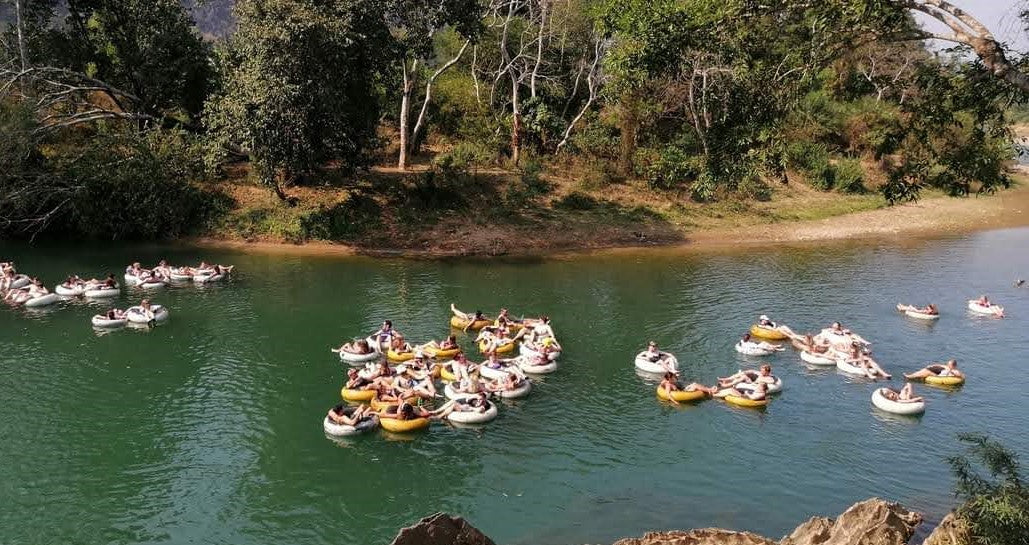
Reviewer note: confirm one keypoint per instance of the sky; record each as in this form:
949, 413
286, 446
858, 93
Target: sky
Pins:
1000, 16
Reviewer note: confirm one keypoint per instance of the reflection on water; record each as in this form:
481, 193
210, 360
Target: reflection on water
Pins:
208, 428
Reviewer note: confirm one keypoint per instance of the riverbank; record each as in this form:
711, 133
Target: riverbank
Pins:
624, 217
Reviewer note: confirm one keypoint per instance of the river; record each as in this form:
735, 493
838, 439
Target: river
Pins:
208, 429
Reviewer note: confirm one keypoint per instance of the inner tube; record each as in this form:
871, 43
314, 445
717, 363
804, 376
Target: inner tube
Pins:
495, 374
351, 357
20, 281
339, 430
181, 277
43, 300
437, 353
521, 390
937, 380
526, 367
396, 425
445, 372
768, 333
204, 278
772, 388
373, 343
473, 416
647, 366
921, 315
850, 369
508, 346
452, 392
357, 395
525, 350
98, 292
73, 291
106, 323
393, 355
152, 284
741, 401
680, 395
752, 349
817, 359
460, 323
137, 315
379, 405
132, 280
896, 407
991, 310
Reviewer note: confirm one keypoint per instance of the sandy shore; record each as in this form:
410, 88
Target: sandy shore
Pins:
935, 216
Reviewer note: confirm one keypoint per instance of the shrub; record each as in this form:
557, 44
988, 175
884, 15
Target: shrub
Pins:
996, 505
849, 176
355, 216
813, 161
672, 168
577, 201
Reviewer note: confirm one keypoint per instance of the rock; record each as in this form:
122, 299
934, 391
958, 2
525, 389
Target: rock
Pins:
951, 531
704, 536
871, 522
442, 529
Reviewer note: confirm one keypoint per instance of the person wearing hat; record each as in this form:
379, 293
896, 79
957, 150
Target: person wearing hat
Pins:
764, 321
670, 383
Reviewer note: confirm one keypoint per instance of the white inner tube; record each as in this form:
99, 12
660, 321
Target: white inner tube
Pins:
473, 415
102, 291
817, 359
137, 315
203, 278
850, 369
660, 367
526, 350
106, 323
521, 390
452, 392
896, 407
993, 310
132, 280
73, 291
527, 367
497, 374
771, 388
358, 358
152, 284
340, 430
752, 349
921, 315
43, 300
20, 281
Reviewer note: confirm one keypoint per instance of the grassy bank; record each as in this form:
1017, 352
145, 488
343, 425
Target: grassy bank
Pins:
498, 212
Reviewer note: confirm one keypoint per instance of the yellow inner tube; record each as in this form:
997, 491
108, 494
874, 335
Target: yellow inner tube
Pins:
745, 401
437, 353
357, 395
459, 323
399, 356
378, 404
445, 374
767, 333
401, 426
944, 381
680, 395
502, 349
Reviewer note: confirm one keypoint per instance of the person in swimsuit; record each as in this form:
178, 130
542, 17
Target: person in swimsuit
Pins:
338, 414
949, 369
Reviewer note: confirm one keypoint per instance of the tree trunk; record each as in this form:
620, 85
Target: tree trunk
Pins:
516, 121
628, 123
539, 49
416, 138
21, 38
405, 109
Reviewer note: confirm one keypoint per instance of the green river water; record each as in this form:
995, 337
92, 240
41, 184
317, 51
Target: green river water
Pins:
208, 429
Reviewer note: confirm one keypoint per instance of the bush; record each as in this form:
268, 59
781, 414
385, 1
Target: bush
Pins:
529, 186
355, 216
996, 505
848, 176
752, 187
672, 168
813, 161
577, 201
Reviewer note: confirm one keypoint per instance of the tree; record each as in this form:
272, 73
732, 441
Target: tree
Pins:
300, 85
996, 505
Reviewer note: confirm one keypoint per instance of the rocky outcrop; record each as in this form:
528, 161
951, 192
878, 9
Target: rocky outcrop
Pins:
951, 531
704, 536
871, 522
442, 529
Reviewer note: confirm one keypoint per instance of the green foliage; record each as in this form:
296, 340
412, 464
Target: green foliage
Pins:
299, 84
674, 167
996, 504
529, 186
812, 160
351, 218
849, 176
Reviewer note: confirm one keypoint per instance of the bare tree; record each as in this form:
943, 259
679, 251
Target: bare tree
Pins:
419, 124
593, 82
